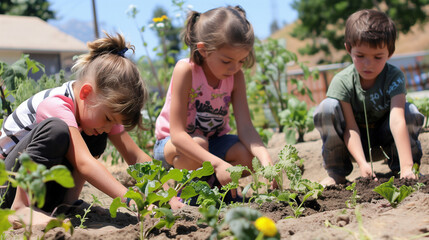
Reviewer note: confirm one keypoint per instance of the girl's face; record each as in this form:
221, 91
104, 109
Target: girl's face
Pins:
369, 62
224, 62
94, 118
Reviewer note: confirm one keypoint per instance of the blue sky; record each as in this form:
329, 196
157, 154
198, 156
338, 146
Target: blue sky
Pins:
75, 17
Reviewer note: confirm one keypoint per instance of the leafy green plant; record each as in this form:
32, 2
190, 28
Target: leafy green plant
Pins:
148, 191
296, 119
210, 217
352, 202
86, 211
391, 193
31, 177
270, 85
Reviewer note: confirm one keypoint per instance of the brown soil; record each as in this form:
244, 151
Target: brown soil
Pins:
379, 220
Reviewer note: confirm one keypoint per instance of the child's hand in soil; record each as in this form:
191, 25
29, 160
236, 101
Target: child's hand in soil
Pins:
365, 171
408, 174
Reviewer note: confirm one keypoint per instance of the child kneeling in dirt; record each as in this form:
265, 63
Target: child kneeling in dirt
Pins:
70, 125
373, 86
193, 125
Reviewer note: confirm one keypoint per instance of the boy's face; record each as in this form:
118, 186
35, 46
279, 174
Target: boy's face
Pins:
369, 61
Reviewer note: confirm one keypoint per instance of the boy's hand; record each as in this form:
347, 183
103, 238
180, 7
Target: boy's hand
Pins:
365, 171
408, 174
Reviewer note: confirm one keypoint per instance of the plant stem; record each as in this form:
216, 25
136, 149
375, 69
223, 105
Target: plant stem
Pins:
367, 135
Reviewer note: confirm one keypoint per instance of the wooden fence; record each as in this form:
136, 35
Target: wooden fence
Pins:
416, 76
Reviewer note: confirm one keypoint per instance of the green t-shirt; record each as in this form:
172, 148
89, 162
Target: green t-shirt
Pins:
345, 86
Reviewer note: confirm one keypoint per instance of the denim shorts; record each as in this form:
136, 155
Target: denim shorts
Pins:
218, 146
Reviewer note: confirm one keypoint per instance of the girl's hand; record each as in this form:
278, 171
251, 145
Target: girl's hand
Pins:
224, 177
365, 171
274, 185
175, 203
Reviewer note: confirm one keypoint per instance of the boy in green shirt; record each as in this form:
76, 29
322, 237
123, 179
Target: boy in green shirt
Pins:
373, 84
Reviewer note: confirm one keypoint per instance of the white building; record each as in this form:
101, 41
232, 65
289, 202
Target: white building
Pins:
43, 42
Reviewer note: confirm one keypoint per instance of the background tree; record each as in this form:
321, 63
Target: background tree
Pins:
323, 20
37, 8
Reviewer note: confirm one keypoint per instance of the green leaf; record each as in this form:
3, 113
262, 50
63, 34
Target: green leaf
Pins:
137, 197
61, 175
205, 170
27, 163
38, 188
236, 172
240, 222
393, 194
290, 135
187, 192
169, 218
174, 174
3, 174
4, 222
116, 203
58, 222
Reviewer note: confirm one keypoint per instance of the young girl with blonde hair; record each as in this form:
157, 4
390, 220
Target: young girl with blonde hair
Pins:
193, 125
70, 124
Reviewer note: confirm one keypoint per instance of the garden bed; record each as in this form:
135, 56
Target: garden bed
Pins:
378, 220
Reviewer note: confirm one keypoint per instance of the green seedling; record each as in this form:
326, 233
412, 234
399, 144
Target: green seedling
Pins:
296, 119
86, 211
352, 202
418, 186
416, 170
368, 139
392, 193
149, 191
31, 177
210, 217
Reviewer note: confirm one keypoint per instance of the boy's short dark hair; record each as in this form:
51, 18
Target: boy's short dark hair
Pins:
370, 27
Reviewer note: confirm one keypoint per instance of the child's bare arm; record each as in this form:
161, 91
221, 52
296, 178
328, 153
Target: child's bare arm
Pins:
128, 148
400, 134
245, 129
91, 169
353, 141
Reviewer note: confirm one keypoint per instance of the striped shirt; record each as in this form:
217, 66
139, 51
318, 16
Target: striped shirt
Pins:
23, 119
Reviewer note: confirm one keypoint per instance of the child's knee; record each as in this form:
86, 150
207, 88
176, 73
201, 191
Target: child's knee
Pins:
202, 141
56, 133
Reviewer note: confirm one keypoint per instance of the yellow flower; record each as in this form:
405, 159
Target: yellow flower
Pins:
159, 19
267, 226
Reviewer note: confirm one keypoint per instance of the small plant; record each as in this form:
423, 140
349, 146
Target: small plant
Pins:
148, 191
352, 202
296, 119
86, 211
31, 177
392, 193
416, 170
